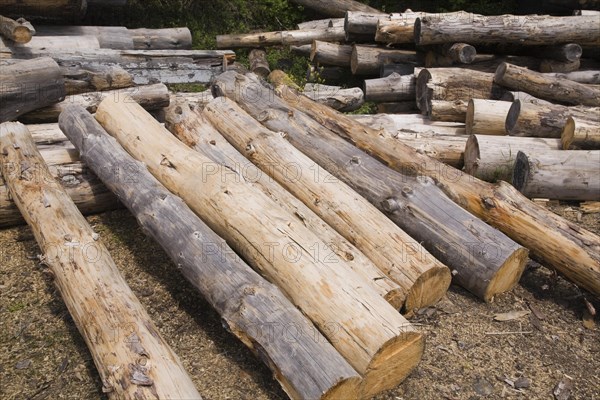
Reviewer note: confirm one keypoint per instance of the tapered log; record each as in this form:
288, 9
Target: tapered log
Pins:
414, 204
321, 23
19, 31
367, 60
391, 88
281, 38
581, 134
401, 107
589, 77
335, 8
159, 39
526, 30
409, 124
29, 85
109, 37
487, 117
326, 75
558, 174
544, 120
52, 43
546, 87
335, 97
95, 78
258, 62
571, 250
96, 295
330, 53
44, 10
448, 111
388, 68
244, 300
492, 158
151, 97
373, 337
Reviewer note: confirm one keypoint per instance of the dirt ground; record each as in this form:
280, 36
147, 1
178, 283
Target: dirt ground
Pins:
468, 355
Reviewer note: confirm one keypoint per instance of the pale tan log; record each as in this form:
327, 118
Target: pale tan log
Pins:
409, 124
161, 39
19, 31
581, 134
335, 8
44, 10
589, 77
373, 337
133, 360
392, 88
558, 174
52, 43
487, 117
151, 97
321, 23
492, 158
336, 97
258, 62
399, 107
400, 29
545, 87
109, 37
367, 60
448, 111
280, 38
330, 53
590, 207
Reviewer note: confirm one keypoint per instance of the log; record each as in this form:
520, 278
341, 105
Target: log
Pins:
400, 30
549, 66
330, 53
29, 85
401, 107
46, 10
450, 54
328, 293
19, 31
589, 77
51, 43
544, 120
109, 37
581, 134
558, 174
151, 97
335, 97
243, 299
448, 111
492, 158
409, 124
423, 279
335, 8
280, 38
524, 97
524, 30
416, 205
366, 60
487, 117
392, 88
364, 23
95, 78
321, 24
490, 62
571, 250
109, 323
161, 39
546, 87
258, 62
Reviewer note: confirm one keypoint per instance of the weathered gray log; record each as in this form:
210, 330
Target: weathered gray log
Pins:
526, 30
399, 107
244, 300
19, 31
558, 174
258, 62
366, 60
336, 97
161, 39
581, 134
391, 88
409, 124
399, 196
487, 117
450, 53
321, 24
490, 62
29, 85
280, 38
589, 77
448, 111
151, 97
335, 8
330, 53
95, 78
524, 97
492, 158
364, 23
132, 358
44, 10
109, 37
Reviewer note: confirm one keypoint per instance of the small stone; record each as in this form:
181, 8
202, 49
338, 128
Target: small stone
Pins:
23, 364
483, 387
522, 383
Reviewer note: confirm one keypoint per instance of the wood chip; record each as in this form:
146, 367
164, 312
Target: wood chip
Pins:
511, 315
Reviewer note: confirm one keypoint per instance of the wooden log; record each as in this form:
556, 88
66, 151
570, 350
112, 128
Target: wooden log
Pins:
330, 53
109, 37
448, 111
280, 38
335, 8
581, 134
258, 62
409, 124
321, 24
95, 78
490, 62
374, 338
401, 29
161, 39
52, 43
403, 198
492, 158
571, 250
589, 77
366, 60
400, 107
487, 117
19, 31
522, 96
392, 88
151, 97
109, 323
29, 85
335, 97
544, 120
558, 174
205, 260
450, 54
525, 30
549, 66
364, 23
47, 10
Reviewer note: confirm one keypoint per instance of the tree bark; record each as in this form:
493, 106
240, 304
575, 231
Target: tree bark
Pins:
109, 37
409, 124
492, 158
581, 134
161, 39
366, 60
330, 53
321, 24
546, 87
391, 88
571, 250
414, 204
558, 174
448, 111
328, 293
280, 38
487, 117
335, 8
450, 54
132, 358
245, 301
589, 77
151, 97
400, 107
47, 10
19, 31
258, 62
335, 97
29, 85
364, 23
549, 66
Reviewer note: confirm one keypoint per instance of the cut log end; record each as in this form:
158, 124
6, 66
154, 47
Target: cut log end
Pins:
512, 117
520, 171
472, 154
568, 133
423, 98
428, 289
22, 34
418, 31
470, 117
507, 275
345, 389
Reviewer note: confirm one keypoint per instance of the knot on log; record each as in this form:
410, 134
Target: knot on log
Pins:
391, 204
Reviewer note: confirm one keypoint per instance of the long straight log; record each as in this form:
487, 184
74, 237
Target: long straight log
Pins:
392, 88
367, 60
44, 10
416, 205
330, 53
336, 97
571, 250
364, 23
161, 39
580, 134
373, 337
335, 8
487, 117
409, 124
52, 43
280, 38
109, 37
244, 300
29, 85
545, 87
19, 31
492, 158
448, 111
93, 289
558, 174
401, 29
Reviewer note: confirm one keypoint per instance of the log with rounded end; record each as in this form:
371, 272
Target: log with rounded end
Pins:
109, 37
486, 117
367, 60
19, 31
258, 62
581, 134
285, 38
392, 88
447, 111
330, 53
